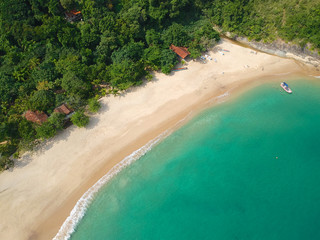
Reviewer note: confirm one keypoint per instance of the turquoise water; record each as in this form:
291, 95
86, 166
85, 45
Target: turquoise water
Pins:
245, 169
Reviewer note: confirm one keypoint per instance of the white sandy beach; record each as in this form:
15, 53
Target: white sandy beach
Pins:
38, 194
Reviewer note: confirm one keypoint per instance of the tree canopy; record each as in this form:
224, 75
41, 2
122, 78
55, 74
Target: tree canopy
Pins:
80, 119
47, 59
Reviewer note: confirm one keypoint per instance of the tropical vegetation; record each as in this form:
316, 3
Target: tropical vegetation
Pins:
48, 58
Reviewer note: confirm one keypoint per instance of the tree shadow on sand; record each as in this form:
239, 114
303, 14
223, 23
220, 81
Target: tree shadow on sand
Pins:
94, 119
62, 136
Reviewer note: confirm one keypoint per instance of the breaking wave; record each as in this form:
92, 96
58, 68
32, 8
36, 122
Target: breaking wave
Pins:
81, 206
281, 74
221, 98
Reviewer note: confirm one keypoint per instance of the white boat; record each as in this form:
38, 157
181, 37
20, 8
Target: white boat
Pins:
286, 87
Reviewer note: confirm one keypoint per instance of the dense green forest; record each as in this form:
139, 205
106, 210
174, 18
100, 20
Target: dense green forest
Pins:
47, 58
296, 21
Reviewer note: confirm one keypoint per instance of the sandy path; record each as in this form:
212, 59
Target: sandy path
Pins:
39, 193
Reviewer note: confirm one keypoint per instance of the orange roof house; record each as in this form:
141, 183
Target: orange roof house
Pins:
36, 117
64, 109
73, 15
180, 51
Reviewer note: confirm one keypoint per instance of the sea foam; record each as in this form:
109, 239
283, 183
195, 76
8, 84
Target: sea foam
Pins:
281, 74
81, 206
220, 98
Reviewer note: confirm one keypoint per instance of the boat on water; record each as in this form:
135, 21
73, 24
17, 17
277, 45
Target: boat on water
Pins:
285, 87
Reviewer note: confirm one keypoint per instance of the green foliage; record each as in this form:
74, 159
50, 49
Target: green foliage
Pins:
74, 85
80, 119
107, 45
46, 130
75, 101
53, 7
153, 37
14, 10
163, 11
42, 100
5, 162
166, 69
67, 4
45, 72
56, 120
152, 56
133, 51
296, 21
175, 34
126, 74
195, 51
302, 22
46, 60
168, 60
3, 131
89, 36
206, 31
159, 58
69, 36
27, 134
10, 128
94, 105
26, 130
107, 23
8, 88
49, 128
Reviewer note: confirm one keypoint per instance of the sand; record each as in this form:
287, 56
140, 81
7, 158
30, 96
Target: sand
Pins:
38, 194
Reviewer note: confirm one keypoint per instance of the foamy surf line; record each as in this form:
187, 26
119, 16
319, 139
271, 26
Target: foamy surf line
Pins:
221, 98
281, 74
315, 76
81, 206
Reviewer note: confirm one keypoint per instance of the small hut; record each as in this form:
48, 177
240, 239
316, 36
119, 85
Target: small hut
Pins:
63, 109
180, 51
73, 16
36, 116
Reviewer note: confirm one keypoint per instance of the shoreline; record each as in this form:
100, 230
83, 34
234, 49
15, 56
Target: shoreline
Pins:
65, 232
112, 135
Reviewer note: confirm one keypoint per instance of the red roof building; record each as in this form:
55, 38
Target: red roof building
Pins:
36, 117
63, 108
180, 51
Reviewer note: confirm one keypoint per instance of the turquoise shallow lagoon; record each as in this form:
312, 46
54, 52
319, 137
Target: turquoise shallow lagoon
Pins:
246, 169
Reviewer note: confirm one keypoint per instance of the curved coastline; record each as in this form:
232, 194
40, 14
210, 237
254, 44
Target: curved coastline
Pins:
199, 181
196, 96
83, 203
79, 209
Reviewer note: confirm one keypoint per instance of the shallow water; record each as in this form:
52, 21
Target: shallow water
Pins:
245, 169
